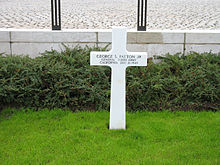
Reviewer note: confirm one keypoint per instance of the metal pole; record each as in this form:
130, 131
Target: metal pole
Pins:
56, 14
142, 15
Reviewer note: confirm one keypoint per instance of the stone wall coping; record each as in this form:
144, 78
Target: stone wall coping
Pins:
107, 30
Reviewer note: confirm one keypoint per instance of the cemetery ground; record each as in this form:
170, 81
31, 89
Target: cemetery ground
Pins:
63, 137
172, 110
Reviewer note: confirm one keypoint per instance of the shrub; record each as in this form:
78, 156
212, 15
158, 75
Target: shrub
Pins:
184, 82
66, 80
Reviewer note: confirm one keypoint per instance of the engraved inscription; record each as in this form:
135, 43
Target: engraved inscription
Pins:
118, 59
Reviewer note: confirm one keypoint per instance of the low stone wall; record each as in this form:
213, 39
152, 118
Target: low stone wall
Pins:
33, 42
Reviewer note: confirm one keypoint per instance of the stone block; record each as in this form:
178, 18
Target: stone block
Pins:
149, 37
5, 48
35, 49
199, 38
84, 37
31, 36
32, 49
162, 49
104, 37
173, 37
132, 38
52, 36
137, 47
203, 48
4, 36
160, 37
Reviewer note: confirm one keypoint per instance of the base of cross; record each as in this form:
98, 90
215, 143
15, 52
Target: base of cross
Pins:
118, 58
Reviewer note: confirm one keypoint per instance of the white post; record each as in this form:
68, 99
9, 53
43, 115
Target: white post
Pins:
118, 95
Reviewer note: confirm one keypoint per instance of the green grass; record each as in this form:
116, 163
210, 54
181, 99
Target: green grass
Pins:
63, 137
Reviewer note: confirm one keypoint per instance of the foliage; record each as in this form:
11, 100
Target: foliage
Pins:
63, 137
54, 80
66, 80
187, 82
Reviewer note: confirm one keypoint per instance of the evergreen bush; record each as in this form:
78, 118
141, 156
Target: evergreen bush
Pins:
66, 80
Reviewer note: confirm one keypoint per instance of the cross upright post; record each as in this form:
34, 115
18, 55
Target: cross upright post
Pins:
118, 59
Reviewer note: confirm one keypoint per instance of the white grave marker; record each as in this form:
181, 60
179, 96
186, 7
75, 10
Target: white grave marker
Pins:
118, 59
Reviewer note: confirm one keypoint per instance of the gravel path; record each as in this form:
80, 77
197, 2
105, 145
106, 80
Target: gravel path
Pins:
103, 14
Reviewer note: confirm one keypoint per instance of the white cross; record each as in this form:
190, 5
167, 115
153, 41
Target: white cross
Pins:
118, 59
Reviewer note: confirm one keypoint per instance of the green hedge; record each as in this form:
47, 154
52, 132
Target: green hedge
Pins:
66, 80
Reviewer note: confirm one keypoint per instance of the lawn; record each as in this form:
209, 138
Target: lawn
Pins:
63, 137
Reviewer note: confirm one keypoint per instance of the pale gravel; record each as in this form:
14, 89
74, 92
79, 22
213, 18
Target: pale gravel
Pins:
103, 14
